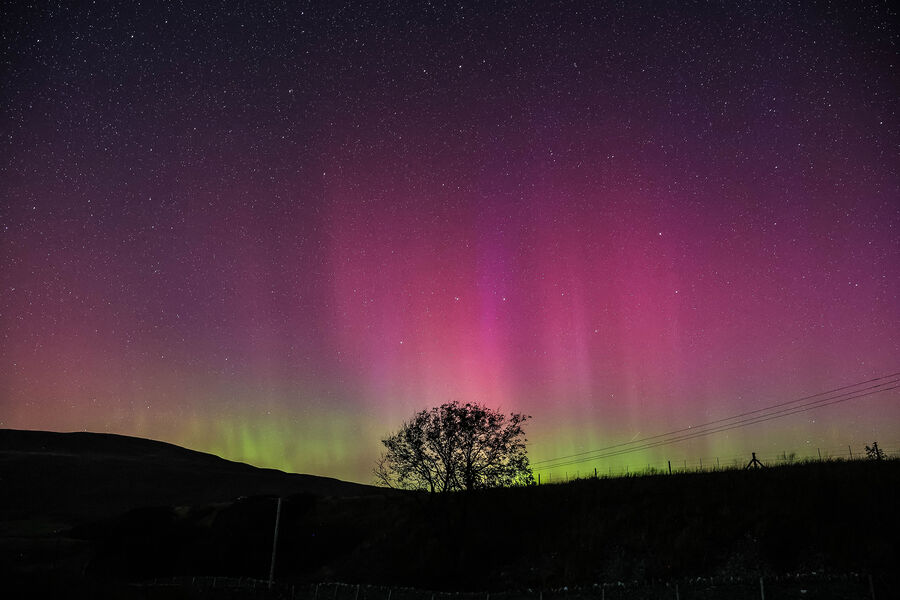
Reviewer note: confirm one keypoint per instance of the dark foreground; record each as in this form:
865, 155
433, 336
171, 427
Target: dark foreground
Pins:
806, 585
815, 530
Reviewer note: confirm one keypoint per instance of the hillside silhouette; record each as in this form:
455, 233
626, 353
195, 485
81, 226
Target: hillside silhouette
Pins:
88, 507
73, 477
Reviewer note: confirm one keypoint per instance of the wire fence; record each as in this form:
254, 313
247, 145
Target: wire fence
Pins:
849, 586
548, 475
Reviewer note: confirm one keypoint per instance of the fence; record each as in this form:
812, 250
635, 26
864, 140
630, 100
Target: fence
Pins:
850, 586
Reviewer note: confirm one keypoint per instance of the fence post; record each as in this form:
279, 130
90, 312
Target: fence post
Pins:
595, 472
670, 466
851, 451
274, 543
717, 462
539, 483
762, 589
701, 464
820, 453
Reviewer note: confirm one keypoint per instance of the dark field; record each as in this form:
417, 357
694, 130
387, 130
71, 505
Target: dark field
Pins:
108, 516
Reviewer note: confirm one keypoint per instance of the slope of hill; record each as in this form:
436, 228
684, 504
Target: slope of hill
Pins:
67, 478
87, 508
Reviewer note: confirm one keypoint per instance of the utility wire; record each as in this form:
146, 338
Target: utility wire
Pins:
731, 418
696, 432
784, 409
752, 421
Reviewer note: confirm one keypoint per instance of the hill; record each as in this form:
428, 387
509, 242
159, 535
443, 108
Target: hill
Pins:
215, 518
72, 477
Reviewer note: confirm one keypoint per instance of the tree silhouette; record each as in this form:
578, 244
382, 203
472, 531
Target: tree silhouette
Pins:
456, 447
874, 452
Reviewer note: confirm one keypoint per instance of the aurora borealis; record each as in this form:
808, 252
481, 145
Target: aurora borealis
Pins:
275, 230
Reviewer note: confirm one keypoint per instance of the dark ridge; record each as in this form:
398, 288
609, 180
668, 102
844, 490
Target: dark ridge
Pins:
71, 477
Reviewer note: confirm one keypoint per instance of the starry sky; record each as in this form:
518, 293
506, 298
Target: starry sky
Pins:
274, 230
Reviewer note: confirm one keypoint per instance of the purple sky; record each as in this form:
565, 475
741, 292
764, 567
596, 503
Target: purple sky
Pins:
275, 230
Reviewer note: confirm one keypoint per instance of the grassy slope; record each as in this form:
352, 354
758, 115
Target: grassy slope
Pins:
840, 516
837, 515
834, 516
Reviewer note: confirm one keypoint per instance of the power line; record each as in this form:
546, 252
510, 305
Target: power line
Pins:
731, 418
743, 423
723, 425
747, 421
751, 421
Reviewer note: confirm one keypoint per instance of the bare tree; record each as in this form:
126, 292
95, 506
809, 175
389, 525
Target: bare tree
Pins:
456, 447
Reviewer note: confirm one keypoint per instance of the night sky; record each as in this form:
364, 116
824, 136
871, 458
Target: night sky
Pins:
274, 230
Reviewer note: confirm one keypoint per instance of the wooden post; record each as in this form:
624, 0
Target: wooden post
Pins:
820, 453
539, 483
670, 466
595, 472
701, 464
851, 451
717, 462
762, 589
274, 544
685, 464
